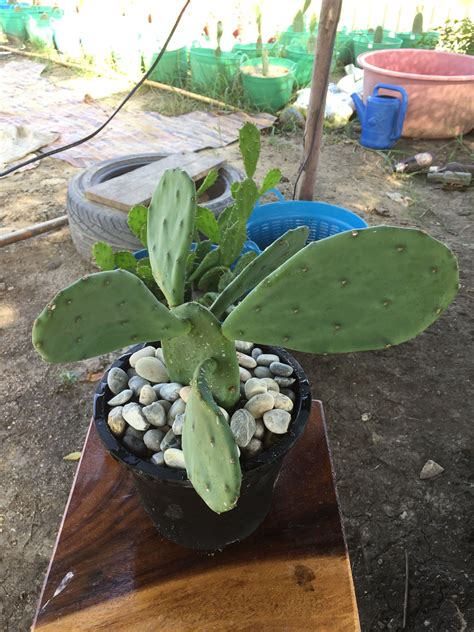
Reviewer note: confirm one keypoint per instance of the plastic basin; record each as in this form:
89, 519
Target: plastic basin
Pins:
268, 93
304, 64
172, 67
270, 221
210, 71
440, 88
363, 43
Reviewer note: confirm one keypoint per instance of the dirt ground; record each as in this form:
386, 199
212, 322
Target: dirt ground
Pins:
387, 412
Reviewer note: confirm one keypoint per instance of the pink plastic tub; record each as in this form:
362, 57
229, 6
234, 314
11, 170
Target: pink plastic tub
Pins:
440, 88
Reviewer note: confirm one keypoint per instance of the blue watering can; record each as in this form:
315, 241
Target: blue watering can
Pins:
382, 118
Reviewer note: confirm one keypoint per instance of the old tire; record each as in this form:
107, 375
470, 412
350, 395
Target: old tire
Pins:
91, 221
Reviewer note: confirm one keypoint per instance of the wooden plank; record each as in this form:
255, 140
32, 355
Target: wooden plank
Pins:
117, 573
137, 186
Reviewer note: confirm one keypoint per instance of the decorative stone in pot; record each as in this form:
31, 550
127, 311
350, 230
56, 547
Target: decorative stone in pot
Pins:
168, 496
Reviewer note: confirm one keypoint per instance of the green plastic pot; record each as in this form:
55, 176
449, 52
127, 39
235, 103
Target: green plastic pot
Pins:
343, 49
211, 72
252, 51
268, 93
364, 43
13, 22
172, 67
304, 64
290, 37
39, 27
426, 40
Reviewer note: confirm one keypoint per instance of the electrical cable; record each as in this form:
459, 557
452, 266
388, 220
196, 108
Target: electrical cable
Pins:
114, 113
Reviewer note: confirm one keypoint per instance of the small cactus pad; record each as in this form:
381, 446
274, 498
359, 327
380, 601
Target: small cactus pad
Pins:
270, 259
210, 451
170, 232
101, 313
249, 142
356, 291
204, 340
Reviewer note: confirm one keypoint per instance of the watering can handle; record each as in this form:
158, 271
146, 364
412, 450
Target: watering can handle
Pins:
403, 108
276, 192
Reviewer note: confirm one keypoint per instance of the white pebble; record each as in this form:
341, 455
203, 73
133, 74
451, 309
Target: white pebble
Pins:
271, 384
284, 382
116, 422
158, 459
259, 404
243, 426
170, 392
244, 374
225, 413
177, 408
175, 458
243, 347
265, 359
178, 423
136, 383
152, 369
259, 429
122, 398
184, 393
132, 413
256, 351
246, 361
289, 393
152, 439
117, 380
262, 371
160, 355
155, 414
166, 404
282, 402
146, 352
254, 386
147, 395
254, 447
278, 368
277, 421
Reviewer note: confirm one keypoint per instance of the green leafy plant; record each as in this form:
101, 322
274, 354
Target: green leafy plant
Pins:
208, 269
311, 44
359, 290
298, 21
457, 36
378, 35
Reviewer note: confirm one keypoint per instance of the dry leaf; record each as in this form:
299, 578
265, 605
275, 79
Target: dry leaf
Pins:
72, 456
94, 377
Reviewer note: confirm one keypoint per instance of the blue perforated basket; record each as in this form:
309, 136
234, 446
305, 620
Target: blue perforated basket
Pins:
270, 221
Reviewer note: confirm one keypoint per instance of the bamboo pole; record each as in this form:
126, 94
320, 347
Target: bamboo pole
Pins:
32, 231
153, 84
329, 17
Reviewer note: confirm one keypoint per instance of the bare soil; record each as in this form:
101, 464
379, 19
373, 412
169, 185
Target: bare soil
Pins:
387, 412
273, 71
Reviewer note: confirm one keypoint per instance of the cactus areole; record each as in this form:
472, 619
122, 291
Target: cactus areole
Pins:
359, 290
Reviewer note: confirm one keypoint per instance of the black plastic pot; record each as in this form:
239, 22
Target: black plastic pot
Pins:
175, 508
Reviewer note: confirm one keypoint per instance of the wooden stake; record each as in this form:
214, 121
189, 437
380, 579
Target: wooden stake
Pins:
32, 231
329, 17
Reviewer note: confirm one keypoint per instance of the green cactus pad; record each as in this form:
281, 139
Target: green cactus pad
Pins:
101, 313
170, 232
204, 340
249, 143
359, 290
210, 452
272, 257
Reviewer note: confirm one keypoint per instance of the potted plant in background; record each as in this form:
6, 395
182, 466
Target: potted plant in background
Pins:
254, 49
297, 32
417, 38
379, 40
267, 81
234, 409
303, 56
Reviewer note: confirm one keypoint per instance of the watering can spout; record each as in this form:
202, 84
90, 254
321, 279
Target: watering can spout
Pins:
359, 105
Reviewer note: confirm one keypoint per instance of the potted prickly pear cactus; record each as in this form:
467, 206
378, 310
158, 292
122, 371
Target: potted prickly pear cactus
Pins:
417, 38
205, 410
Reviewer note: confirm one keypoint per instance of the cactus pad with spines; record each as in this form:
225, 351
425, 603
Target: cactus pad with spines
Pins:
249, 142
417, 26
378, 35
272, 257
170, 231
100, 313
356, 291
204, 340
210, 451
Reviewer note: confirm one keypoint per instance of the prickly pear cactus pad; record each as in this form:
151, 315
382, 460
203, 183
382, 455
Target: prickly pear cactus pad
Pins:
204, 340
171, 218
272, 257
210, 451
101, 313
366, 289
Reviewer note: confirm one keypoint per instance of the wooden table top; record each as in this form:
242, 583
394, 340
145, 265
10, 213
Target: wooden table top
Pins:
111, 570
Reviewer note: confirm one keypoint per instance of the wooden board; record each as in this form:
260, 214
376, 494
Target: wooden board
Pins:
117, 573
137, 186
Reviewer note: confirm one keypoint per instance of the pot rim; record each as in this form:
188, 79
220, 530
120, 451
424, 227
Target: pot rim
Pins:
364, 62
145, 468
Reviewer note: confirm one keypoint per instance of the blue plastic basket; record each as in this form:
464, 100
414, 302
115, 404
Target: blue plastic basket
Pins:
270, 221
248, 246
